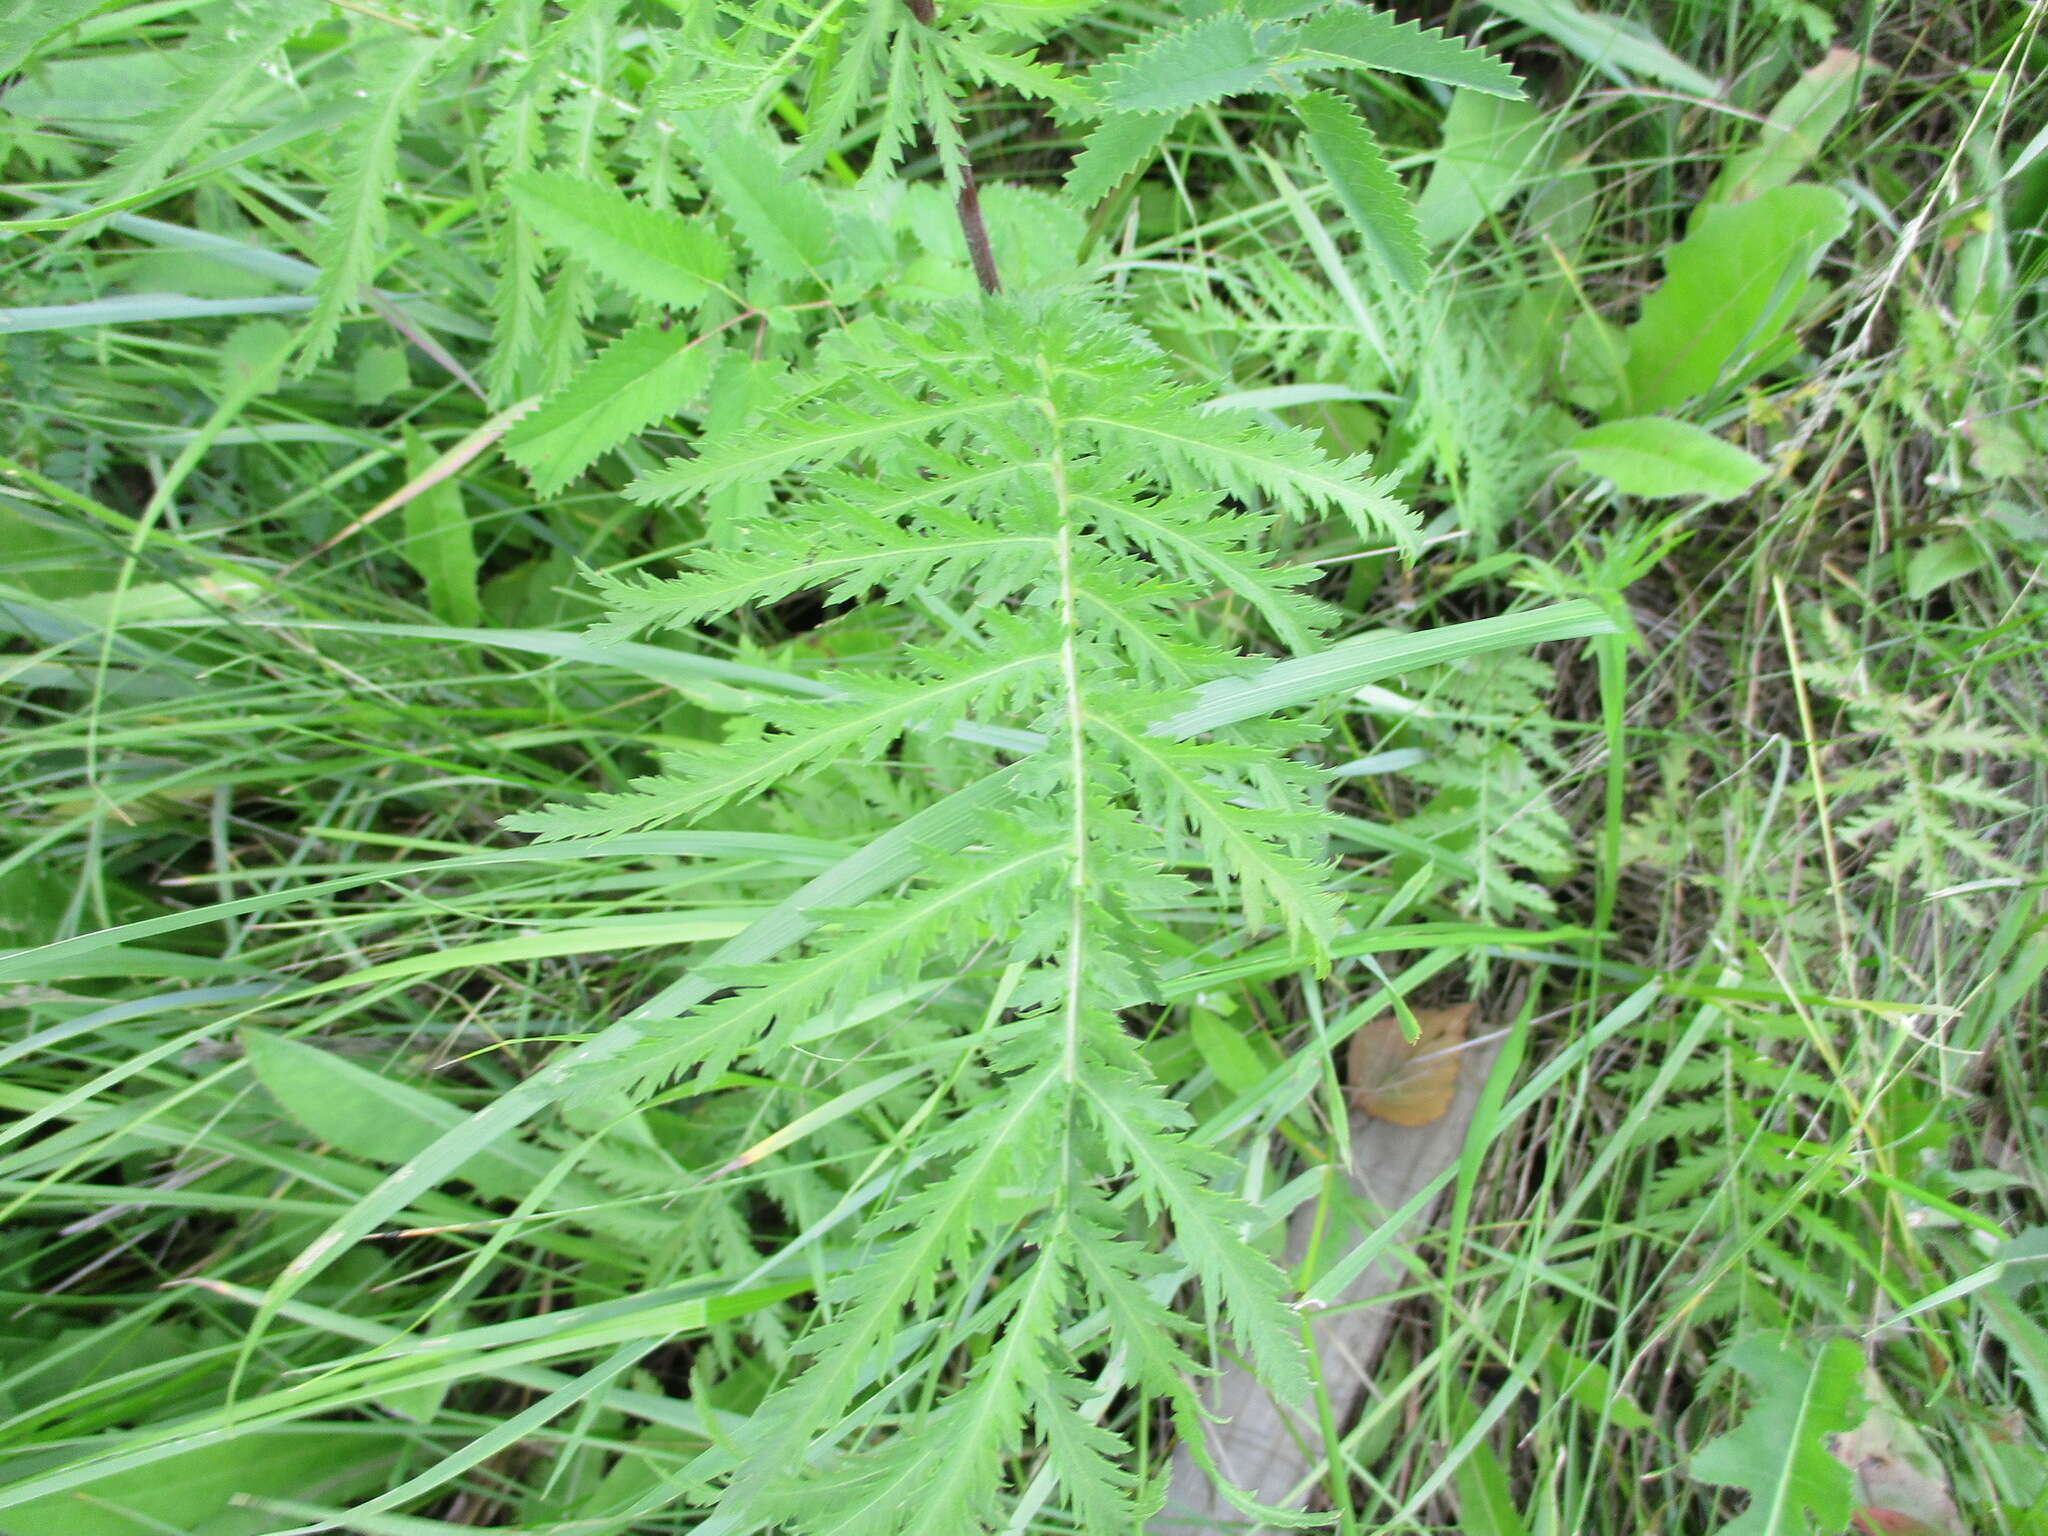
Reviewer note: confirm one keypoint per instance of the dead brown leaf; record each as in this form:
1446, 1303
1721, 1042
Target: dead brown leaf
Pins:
1409, 1082
1901, 1487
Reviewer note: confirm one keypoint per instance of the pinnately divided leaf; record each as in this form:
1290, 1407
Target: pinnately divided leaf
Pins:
1031, 467
357, 215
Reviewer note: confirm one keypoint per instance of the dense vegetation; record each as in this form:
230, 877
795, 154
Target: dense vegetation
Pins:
717, 714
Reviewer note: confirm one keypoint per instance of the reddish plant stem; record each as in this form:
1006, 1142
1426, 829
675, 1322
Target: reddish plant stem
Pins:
968, 204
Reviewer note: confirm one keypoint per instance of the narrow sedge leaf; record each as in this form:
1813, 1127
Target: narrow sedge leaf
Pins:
1656, 456
1364, 184
1197, 65
1619, 47
1353, 663
653, 254
645, 376
1375, 40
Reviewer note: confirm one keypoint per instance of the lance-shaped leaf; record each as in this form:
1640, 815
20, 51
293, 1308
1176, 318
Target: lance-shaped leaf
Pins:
1364, 184
1375, 40
654, 255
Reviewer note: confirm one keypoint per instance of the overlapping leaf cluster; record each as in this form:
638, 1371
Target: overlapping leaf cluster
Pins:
1030, 466
1064, 523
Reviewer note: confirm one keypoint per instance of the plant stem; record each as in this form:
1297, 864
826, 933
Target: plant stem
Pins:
968, 203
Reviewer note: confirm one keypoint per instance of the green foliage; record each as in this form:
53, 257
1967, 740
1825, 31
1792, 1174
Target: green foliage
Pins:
1033, 467
1364, 184
650, 253
1922, 811
997, 747
1656, 456
1732, 290
1236, 50
646, 376
1779, 1453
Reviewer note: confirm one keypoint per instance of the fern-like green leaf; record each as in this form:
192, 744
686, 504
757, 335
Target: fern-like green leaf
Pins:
351, 245
811, 736
867, 556
214, 77
1185, 1184
1029, 467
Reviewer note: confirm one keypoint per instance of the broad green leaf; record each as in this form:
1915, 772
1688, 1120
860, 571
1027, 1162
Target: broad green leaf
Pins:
653, 254
1615, 45
1591, 1386
1656, 456
1491, 150
1796, 129
1368, 39
1224, 1049
376, 1117
365, 1114
438, 543
1365, 184
1732, 289
1199, 64
645, 376
1940, 561
106, 85
1486, 1500
380, 372
1778, 1453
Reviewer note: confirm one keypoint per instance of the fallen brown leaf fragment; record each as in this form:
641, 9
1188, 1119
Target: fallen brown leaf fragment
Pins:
1409, 1082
